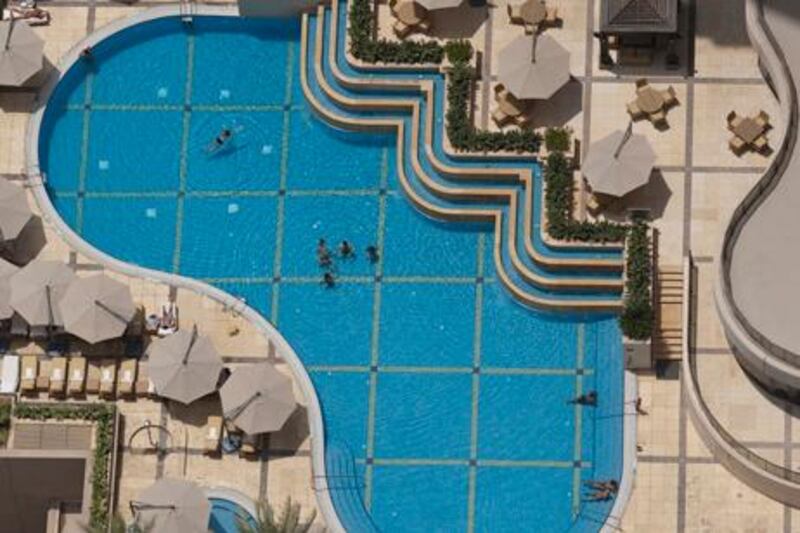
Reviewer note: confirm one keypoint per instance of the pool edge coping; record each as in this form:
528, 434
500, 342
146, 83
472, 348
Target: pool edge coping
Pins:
36, 183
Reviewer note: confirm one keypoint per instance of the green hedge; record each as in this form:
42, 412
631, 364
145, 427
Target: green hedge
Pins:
557, 139
5, 421
637, 315
103, 416
461, 131
369, 50
558, 208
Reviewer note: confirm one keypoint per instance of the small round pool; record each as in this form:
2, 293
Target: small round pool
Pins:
227, 515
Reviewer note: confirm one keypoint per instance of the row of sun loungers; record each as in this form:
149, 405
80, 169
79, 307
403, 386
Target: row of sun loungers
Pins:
75, 376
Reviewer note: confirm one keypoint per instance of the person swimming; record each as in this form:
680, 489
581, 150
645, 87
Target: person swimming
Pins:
219, 142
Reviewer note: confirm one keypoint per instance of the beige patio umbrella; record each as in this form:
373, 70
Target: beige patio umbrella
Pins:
619, 163
6, 271
533, 67
257, 398
36, 290
173, 506
22, 52
430, 5
97, 308
14, 210
184, 366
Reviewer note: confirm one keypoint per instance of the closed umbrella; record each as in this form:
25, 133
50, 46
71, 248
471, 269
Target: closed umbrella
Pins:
173, 506
257, 398
430, 5
6, 271
97, 308
36, 290
14, 210
533, 67
21, 53
184, 366
619, 163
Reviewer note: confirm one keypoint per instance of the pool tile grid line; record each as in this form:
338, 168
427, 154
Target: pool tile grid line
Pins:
375, 338
280, 215
84, 161
578, 438
512, 176
184, 155
485, 463
475, 398
488, 371
494, 216
205, 108
258, 193
313, 280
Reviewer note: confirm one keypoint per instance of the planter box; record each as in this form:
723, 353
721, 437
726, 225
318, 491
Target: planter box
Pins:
638, 354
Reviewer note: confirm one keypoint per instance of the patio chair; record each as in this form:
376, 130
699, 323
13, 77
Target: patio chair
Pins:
500, 118
401, 29
424, 26
30, 367
126, 377
108, 378
58, 376
737, 145
641, 83
659, 118
251, 445
551, 15
670, 97
634, 111
761, 143
213, 434
733, 120
76, 376
522, 120
499, 89
93, 377
762, 119
515, 13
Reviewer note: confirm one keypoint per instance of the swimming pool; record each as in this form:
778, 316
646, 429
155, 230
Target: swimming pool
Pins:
450, 398
226, 516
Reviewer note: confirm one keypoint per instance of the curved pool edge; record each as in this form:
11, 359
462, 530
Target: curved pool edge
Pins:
235, 496
49, 212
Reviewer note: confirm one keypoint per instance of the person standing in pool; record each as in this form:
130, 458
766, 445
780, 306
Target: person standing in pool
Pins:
346, 250
372, 253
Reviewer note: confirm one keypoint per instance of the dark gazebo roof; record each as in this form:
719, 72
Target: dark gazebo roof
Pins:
639, 16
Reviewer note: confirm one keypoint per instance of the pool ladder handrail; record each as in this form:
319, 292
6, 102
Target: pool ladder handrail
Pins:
188, 10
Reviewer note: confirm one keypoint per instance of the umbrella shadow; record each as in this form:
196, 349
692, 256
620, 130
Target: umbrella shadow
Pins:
457, 22
560, 108
28, 244
654, 196
290, 438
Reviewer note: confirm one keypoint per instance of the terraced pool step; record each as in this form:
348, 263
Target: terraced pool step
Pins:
668, 334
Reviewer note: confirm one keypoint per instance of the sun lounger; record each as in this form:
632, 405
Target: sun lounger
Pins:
424, 26
58, 375
126, 377
43, 378
30, 368
9, 378
659, 118
213, 434
93, 379
76, 376
108, 377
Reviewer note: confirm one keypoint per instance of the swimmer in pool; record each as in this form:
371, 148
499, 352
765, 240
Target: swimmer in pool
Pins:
225, 135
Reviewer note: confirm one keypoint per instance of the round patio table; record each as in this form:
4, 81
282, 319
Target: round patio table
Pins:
533, 11
649, 100
409, 12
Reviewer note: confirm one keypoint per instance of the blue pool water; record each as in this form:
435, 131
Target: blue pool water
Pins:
445, 402
227, 516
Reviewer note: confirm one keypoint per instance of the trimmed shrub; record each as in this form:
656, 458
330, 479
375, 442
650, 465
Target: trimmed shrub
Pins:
557, 139
369, 50
458, 51
558, 208
103, 416
462, 133
637, 317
